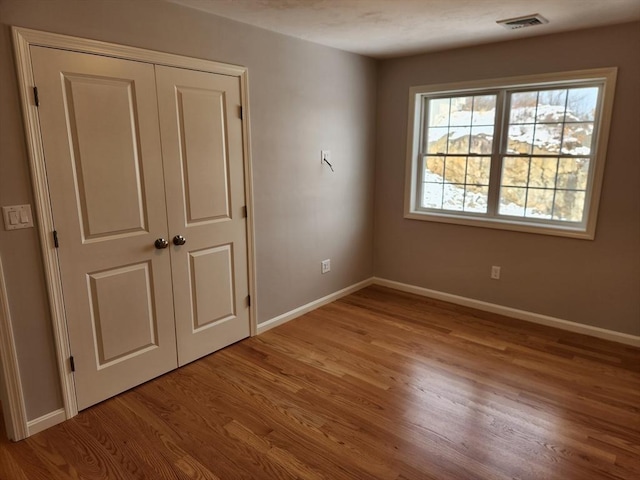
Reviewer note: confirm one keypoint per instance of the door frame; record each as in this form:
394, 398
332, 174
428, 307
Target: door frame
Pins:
13, 408
23, 39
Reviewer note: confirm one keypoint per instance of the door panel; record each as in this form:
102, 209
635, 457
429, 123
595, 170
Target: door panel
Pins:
213, 266
116, 290
99, 124
204, 177
203, 138
107, 170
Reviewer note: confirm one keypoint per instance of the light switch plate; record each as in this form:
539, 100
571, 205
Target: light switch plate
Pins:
17, 216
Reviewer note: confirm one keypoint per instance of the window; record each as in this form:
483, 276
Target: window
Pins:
523, 153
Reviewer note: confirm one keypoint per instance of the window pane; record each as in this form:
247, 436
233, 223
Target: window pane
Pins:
484, 110
523, 107
459, 140
481, 139
577, 138
569, 206
434, 169
582, 103
437, 140
454, 171
461, 108
542, 172
551, 106
512, 201
475, 199
478, 169
439, 112
573, 173
453, 197
515, 171
547, 138
432, 195
539, 203
455, 194
520, 139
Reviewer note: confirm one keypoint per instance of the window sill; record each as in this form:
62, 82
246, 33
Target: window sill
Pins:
578, 232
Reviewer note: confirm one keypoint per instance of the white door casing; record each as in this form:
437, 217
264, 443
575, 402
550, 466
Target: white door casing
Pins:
136, 274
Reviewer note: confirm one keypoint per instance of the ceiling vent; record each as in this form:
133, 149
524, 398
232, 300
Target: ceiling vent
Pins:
521, 22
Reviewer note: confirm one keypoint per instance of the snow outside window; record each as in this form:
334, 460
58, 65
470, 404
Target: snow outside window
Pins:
522, 154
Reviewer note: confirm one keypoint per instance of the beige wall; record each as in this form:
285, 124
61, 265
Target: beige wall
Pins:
591, 282
304, 98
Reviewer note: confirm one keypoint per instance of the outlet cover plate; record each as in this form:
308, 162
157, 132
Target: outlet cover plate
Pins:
495, 272
325, 266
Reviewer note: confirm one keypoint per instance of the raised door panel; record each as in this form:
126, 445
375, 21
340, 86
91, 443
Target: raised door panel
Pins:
107, 170
99, 124
202, 139
123, 313
211, 286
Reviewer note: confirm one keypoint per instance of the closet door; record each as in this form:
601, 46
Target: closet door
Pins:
99, 124
202, 148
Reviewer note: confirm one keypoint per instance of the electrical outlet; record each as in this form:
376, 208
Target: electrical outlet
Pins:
325, 266
495, 272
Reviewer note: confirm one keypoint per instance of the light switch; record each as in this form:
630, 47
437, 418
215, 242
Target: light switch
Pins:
17, 216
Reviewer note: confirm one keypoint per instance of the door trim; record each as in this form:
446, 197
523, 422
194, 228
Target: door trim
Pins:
11, 390
23, 39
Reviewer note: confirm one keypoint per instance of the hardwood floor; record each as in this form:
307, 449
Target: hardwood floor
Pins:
378, 385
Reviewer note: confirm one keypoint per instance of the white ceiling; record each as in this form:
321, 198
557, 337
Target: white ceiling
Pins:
390, 28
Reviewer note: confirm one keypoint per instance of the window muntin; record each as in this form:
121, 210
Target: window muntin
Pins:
515, 155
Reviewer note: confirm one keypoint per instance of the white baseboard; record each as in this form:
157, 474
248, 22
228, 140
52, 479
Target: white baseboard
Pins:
532, 317
298, 312
619, 337
46, 421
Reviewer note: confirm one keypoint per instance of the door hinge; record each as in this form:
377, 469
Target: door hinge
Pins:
36, 99
241, 113
248, 300
244, 211
55, 239
72, 363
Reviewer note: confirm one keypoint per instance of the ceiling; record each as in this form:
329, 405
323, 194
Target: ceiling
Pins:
392, 28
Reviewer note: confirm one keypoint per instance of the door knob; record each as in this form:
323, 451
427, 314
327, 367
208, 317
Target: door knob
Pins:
161, 243
179, 240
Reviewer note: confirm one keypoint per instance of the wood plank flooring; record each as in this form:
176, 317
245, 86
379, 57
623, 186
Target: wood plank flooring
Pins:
378, 385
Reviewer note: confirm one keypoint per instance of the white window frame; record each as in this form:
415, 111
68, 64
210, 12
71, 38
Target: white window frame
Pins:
414, 163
